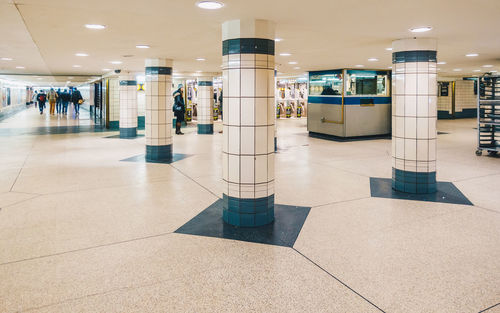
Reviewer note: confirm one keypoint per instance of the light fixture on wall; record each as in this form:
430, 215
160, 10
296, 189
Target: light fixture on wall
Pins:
210, 5
95, 26
420, 29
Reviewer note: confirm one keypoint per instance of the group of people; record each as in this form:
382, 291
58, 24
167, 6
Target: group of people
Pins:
58, 100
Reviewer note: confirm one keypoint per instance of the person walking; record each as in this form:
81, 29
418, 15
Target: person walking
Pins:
179, 108
65, 99
59, 102
52, 97
41, 98
77, 99
35, 97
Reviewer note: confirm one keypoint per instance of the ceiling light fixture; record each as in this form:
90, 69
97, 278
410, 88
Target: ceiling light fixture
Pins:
278, 39
106, 69
285, 54
457, 69
20, 67
420, 29
441, 63
372, 59
142, 46
388, 49
200, 59
472, 55
476, 70
292, 62
359, 65
198, 71
389, 67
297, 68
7, 59
488, 65
81, 54
77, 65
210, 5
116, 62
95, 26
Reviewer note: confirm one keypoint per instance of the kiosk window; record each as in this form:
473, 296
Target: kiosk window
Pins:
325, 85
366, 83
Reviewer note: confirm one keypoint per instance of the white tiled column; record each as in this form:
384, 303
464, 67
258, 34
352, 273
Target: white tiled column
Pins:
159, 109
414, 114
248, 136
114, 103
205, 105
128, 106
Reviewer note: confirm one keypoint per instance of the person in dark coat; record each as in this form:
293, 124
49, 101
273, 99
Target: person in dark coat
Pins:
41, 97
65, 99
179, 109
77, 99
59, 102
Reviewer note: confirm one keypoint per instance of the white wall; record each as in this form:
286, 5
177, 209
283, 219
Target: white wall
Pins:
17, 95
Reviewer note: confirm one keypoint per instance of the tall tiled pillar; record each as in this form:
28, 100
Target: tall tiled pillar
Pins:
114, 103
248, 136
141, 108
414, 113
128, 106
205, 105
159, 109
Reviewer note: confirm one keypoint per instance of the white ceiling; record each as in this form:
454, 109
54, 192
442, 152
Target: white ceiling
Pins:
44, 35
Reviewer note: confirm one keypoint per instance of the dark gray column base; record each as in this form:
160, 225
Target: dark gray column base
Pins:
128, 132
248, 212
159, 153
414, 182
205, 129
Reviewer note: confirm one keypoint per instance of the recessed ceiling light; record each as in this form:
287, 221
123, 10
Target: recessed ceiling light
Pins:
70, 77
278, 39
20, 67
359, 65
476, 70
210, 5
198, 71
388, 49
116, 62
81, 54
420, 29
106, 69
77, 65
292, 62
95, 26
472, 55
142, 46
389, 67
488, 65
297, 68
7, 59
457, 69
372, 59
441, 63
200, 59
285, 54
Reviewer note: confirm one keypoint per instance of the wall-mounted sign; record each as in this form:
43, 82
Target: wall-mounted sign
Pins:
445, 87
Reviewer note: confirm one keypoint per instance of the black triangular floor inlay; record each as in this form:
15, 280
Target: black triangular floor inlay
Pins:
288, 221
446, 192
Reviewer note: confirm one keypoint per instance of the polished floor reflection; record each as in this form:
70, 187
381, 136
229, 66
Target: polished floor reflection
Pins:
82, 231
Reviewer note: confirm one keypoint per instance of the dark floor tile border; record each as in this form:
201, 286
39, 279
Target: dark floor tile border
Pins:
142, 159
282, 232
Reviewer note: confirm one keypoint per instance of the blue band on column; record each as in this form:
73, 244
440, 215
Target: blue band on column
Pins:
248, 212
159, 153
141, 122
128, 132
205, 128
248, 45
114, 125
128, 82
414, 56
414, 182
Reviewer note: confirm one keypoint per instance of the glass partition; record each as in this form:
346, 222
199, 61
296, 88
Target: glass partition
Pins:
366, 83
328, 84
